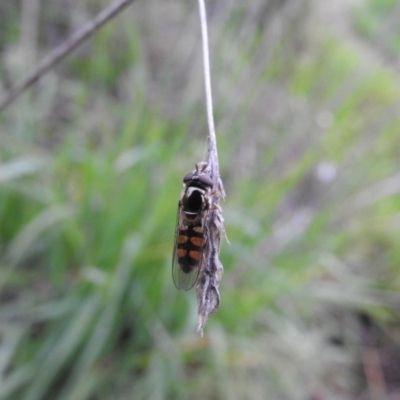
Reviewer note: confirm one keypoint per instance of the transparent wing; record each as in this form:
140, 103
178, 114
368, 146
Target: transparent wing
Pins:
183, 280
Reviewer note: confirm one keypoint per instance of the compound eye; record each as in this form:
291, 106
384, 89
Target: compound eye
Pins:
188, 177
206, 180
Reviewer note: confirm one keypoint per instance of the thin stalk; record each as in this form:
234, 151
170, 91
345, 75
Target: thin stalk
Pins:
208, 297
212, 149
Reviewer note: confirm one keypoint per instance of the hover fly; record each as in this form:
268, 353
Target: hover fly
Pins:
190, 234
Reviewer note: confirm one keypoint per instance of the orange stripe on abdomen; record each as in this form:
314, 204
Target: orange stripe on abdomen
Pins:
195, 255
197, 241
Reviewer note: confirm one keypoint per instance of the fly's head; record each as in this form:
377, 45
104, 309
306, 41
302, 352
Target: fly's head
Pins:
200, 177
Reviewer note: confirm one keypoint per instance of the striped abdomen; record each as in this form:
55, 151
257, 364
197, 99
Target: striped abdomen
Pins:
190, 246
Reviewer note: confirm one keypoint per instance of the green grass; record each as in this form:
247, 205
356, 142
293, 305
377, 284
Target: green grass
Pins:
371, 19
88, 205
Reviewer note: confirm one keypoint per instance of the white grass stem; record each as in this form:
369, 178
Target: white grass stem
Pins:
212, 150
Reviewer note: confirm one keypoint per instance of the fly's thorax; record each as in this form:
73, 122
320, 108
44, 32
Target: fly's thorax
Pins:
194, 200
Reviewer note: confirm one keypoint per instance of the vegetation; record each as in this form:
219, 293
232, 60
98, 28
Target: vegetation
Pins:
92, 161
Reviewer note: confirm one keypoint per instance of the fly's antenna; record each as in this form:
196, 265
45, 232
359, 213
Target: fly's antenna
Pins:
208, 297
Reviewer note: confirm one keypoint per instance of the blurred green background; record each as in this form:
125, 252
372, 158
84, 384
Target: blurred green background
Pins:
307, 107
